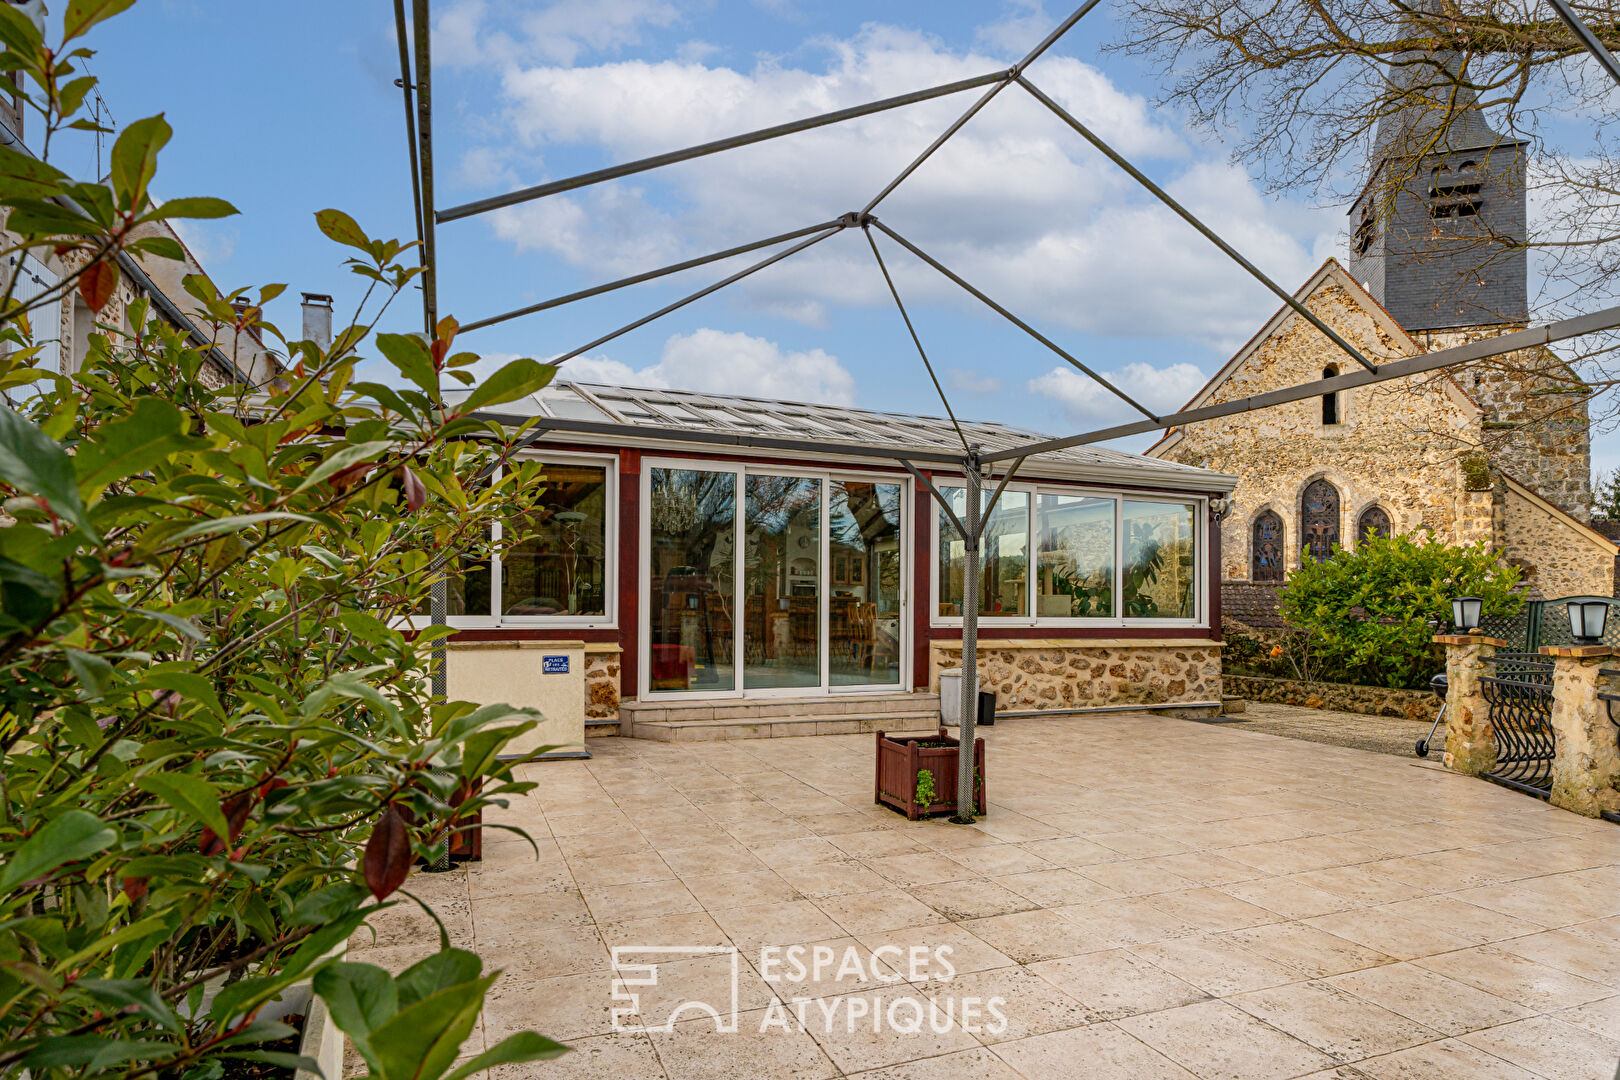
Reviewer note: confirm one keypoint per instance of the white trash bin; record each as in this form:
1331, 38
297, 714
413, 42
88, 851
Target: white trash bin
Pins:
950, 697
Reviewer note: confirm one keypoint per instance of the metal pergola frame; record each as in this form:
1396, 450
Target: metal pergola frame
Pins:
416, 82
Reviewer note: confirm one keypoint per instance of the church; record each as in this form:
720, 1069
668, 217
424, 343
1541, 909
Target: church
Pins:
1498, 451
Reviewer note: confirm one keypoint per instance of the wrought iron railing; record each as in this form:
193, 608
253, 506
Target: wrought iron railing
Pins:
1520, 700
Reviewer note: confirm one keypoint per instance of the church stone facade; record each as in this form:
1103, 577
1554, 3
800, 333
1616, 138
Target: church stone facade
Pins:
1496, 451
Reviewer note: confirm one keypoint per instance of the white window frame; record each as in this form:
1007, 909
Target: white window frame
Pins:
609, 619
741, 470
1034, 490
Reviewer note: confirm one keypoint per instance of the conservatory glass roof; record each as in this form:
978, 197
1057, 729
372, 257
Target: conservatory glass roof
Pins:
840, 426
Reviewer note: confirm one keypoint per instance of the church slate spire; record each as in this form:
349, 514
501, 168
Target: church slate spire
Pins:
1438, 232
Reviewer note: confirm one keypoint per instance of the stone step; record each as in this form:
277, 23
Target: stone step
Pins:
920, 723
825, 706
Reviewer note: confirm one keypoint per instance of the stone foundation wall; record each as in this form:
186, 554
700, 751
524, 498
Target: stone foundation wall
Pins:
1339, 697
601, 682
1557, 560
1063, 673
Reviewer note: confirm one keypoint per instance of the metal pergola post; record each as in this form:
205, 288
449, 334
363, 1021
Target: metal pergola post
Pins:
967, 722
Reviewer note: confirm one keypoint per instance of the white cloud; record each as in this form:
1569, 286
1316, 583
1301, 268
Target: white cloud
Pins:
1081, 400
213, 244
559, 32
1016, 202
971, 382
719, 362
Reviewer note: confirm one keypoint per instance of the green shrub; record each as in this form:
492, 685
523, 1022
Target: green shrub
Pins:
221, 754
1366, 615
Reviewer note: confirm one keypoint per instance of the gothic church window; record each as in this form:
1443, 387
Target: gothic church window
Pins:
1320, 521
1373, 522
1267, 554
1330, 402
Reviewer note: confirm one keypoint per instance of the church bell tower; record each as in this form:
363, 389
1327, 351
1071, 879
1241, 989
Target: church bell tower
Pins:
1438, 233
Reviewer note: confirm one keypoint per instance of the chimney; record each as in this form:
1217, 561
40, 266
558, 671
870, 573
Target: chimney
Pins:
318, 319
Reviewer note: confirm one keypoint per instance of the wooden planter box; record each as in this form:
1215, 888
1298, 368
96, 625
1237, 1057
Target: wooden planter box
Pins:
899, 762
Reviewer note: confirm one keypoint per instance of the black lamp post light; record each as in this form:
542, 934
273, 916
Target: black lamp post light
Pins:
1465, 613
1588, 617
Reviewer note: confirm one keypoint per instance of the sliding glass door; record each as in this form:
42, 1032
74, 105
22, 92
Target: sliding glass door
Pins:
816, 603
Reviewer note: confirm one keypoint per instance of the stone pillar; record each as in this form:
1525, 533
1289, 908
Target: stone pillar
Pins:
1586, 764
1470, 746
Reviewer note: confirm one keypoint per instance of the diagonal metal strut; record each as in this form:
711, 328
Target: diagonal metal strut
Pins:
915, 340
636, 279
630, 168
1588, 40
1015, 320
836, 227
1209, 234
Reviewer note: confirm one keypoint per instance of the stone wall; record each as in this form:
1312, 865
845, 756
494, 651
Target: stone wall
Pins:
1339, 697
1557, 559
1067, 673
601, 681
1538, 436
1397, 444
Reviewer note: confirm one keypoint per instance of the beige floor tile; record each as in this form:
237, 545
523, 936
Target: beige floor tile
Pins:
1288, 897
593, 845
822, 879
618, 869
1206, 867
1307, 950
776, 924
563, 950
1098, 1052
1128, 920
1550, 1048
803, 851
696, 1051
708, 859
1383, 931
1072, 852
565, 1008
845, 1029
1216, 964
1365, 884
1430, 999
1117, 983
908, 871
1470, 922
876, 910
1219, 1042
825, 968
1211, 909
741, 890
876, 845
685, 984
1031, 936
1302, 854
1030, 1005
995, 858
1135, 878
1448, 1059
1143, 844
1537, 986
962, 1065
605, 1057
695, 928
1346, 1027
1602, 1017
406, 923
514, 871
976, 899
1587, 956
936, 951
639, 900
1015, 828
840, 823
1056, 887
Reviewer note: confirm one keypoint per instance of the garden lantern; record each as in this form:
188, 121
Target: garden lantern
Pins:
1587, 618
1465, 613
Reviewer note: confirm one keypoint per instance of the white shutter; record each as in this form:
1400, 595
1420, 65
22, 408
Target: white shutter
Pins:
46, 321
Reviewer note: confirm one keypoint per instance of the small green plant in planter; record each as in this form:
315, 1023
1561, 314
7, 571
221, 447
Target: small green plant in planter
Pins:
925, 789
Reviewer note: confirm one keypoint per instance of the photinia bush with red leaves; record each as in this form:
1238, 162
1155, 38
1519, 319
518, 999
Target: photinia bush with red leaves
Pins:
222, 754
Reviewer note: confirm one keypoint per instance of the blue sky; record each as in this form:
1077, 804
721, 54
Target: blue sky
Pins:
287, 107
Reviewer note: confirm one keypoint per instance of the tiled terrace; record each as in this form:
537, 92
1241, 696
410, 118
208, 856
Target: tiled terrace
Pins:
1152, 898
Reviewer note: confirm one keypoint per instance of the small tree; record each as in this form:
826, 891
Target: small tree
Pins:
1370, 612
1606, 496
221, 754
